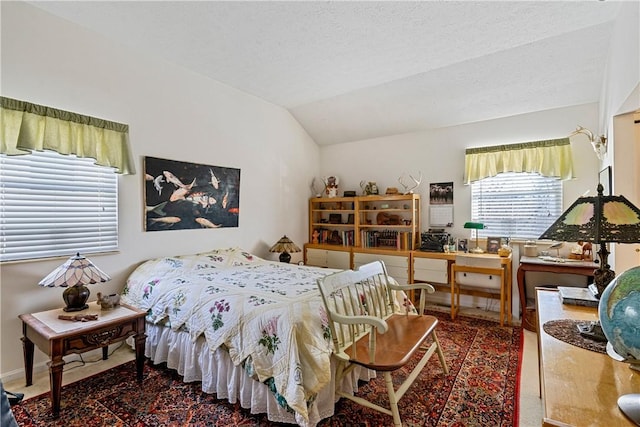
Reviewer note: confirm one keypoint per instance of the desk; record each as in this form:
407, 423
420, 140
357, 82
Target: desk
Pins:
536, 264
578, 387
58, 338
440, 280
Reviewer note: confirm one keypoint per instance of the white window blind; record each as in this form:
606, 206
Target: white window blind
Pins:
56, 205
516, 205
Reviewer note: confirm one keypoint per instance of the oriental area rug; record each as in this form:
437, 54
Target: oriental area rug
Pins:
481, 389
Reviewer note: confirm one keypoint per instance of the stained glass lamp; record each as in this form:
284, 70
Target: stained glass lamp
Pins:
600, 219
74, 274
285, 246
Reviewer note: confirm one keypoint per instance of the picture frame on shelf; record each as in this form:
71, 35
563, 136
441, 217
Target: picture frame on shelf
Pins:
335, 218
493, 244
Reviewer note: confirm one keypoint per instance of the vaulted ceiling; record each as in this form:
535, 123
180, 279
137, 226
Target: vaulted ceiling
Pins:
349, 71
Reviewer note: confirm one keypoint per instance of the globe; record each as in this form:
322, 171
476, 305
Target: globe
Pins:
619, 312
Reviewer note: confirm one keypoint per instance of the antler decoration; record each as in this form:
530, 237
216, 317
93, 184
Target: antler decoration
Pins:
599, 144
407, 188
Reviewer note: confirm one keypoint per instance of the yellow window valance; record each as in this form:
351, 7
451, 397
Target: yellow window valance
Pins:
550, 158
26, 127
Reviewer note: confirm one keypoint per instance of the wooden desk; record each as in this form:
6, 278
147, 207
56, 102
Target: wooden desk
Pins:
578, 387
536, 264
58, 338
450, 257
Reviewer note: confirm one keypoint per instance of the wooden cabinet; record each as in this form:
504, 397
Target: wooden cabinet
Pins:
398, 263
332, 258
430, 270
388, 222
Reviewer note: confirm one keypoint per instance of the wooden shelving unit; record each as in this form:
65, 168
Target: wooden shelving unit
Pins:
390, 223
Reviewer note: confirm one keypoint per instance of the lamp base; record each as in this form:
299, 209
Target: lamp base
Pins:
629, 404
285, 257
476, 250
76, 298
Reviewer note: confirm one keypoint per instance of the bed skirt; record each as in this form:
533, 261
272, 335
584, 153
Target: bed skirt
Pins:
195, 362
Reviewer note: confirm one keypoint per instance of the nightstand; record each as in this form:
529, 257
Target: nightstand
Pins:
58, 338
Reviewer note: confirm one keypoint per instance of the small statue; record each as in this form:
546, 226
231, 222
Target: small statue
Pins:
369, 188
587, 251
108, 302
331, 186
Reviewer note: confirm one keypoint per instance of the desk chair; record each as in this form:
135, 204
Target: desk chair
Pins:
485, 277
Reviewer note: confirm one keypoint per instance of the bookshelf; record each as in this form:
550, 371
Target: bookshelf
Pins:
387, 222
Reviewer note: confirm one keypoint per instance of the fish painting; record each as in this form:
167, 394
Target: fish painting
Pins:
181, 195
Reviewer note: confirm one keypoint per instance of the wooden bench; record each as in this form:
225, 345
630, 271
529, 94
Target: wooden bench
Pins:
373, 324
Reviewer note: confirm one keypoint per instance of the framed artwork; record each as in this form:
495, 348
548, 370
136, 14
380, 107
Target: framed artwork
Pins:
493, 244
180, 195
463, 245
441, 193
605, 179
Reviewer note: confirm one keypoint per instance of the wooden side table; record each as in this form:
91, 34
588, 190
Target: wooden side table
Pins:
583, 268
58, 338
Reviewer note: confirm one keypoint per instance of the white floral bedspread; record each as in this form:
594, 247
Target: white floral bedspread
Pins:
267, 310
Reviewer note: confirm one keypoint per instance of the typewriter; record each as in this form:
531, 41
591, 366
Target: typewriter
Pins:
434, 240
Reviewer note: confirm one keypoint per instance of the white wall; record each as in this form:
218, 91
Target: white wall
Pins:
172, 114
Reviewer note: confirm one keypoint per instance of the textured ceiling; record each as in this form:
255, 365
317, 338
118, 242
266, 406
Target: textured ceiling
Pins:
356, 70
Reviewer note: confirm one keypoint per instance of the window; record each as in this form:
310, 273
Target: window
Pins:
56, 205
521, 205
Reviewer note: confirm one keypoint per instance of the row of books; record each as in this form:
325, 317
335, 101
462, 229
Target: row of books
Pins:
387, 239
335, 237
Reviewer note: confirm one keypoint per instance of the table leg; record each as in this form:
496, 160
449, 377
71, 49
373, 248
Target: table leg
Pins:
140, 340
27, 350
522, 291
55, 380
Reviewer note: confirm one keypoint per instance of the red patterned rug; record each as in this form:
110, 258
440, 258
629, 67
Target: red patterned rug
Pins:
481, 390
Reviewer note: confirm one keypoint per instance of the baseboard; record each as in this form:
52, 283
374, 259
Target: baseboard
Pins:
16, 374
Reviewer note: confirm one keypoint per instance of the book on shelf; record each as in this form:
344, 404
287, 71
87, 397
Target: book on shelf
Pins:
400, 240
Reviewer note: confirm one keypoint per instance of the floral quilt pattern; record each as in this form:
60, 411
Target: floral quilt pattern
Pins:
269, 313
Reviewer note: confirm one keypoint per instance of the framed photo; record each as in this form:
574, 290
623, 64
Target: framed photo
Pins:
463, 245
493, 244
180, 195
605, 179
335, 218
441, 193
350, 219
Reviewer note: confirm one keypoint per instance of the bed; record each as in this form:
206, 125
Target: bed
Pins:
252, 330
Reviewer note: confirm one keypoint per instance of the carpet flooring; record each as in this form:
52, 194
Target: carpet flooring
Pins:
481, 389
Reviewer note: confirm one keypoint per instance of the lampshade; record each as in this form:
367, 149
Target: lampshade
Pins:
475, 226
599, 219
74, 274
284, 246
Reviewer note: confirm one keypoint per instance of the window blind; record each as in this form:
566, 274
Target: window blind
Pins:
56, 205
520, 205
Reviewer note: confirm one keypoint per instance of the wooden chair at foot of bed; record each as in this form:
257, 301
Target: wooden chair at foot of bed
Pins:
368, 329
